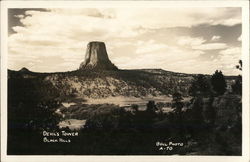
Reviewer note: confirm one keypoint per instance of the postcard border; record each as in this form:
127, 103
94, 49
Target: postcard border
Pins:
66, 4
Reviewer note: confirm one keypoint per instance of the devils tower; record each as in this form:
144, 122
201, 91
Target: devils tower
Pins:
96, 58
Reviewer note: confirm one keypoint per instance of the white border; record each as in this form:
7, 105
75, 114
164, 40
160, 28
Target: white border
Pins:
163, 4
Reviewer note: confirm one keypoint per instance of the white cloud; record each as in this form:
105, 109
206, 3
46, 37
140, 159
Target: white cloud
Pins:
229, 58
215, 38
61, 35
231, 51
187, 40
19, 16
228, 21
152, 17
210, 46
149, 46
152, 54
239, 38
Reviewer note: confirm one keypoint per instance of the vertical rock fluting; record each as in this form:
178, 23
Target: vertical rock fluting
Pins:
97, 58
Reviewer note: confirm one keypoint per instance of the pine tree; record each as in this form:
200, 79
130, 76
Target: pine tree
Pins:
218, 82
151, 107
239, 66
177, 103
210, 112
237, 86
200, 86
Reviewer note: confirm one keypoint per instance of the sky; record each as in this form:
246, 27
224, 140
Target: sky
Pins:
188, 40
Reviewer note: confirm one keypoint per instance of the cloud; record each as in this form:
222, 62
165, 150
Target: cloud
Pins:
187, 17
153, 54
229, 58
149, 46
210, 46
19, 16
231, 51
215, 38
227, 22
187, 40
198, 43
58, 37
239, 38
92, 12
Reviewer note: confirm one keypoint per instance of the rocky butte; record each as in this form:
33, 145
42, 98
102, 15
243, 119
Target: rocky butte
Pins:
96, 58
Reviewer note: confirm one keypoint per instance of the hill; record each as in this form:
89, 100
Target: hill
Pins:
101, 84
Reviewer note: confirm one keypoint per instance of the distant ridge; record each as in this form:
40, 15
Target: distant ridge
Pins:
24, 70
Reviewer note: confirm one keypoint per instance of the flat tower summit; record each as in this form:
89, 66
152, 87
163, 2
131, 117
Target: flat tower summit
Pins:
96, 58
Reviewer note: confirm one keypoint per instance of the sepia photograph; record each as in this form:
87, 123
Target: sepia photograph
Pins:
125, 80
